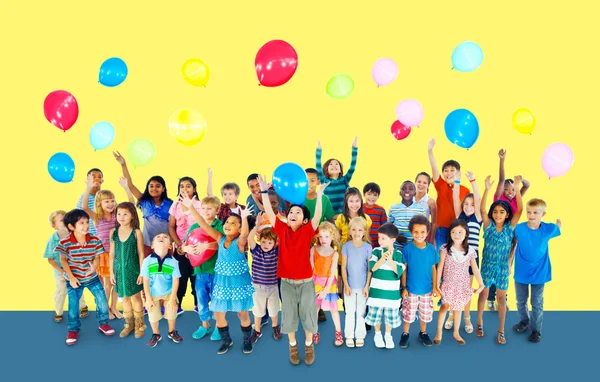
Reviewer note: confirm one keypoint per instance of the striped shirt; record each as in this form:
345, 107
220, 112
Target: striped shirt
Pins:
378, 217
337, 187
474, 229
91, 206
264, 266
384, 290
103, 230
400, 215
80, 257
161, 272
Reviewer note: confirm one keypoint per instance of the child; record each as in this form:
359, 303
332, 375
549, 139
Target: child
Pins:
56, 221
161, 276
419, 280
333, 172
532, 266
254, 199
422, 198
294, 268
401, 213
232, 289
105, 218
98, 179
355, 269
455, 258
444, 187
499, 225
126, 257
386, 267
371, 192
324, 260
311, 197
80, 256
230, 193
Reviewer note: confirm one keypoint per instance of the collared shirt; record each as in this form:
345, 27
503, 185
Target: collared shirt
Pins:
161, 272
401, 214
81, 257
445, 201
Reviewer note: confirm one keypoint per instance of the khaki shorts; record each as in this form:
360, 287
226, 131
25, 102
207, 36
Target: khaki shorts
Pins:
265, 297
154, 314
299, 302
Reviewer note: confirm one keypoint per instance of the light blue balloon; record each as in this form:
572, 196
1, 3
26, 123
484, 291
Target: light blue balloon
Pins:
291, 183
462, 128
102, 135
112, 72
61, 167
467, 57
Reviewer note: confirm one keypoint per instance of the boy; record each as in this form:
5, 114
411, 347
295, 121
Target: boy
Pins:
161, 280
98, 179
444, 187
532, 266
401, 213
371, 192
295, 270
386, 267
254, 200
418, 281
80, 256
230, 193
311, 197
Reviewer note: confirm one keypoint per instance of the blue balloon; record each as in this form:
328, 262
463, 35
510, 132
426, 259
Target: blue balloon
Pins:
291, 183
462, 128
102, 135
61, 167
467, 57
112, 72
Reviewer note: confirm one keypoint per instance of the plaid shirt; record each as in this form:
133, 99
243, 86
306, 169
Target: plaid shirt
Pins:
225, 211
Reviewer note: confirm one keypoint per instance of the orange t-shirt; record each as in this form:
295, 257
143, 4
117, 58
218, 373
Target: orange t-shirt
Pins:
445, 203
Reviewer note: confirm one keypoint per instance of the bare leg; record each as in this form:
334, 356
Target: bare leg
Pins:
468, 308
154, 326
335, 316
481, 305
501, 299
440, 324
220, 318
244, 318
457, 337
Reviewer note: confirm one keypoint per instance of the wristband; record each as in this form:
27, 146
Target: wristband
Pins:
456, 181
264, 192
472, 180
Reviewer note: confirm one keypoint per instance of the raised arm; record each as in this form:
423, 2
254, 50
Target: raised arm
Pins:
352, 168
319, 164
435, 172
209, 184
243, 238
484, 215
264, 189
501, 174
476, 195
526, 185
123, 183
456, 195
189, 203
515, 219
136, 192
89, 185
316, 220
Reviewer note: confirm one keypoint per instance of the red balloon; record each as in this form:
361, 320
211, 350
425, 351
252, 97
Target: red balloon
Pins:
399, 131
199, 236
61, 109
275, 63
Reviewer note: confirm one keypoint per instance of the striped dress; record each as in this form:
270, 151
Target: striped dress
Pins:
337, 187
384, 290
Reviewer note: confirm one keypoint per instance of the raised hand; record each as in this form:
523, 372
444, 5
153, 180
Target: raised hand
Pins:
502, 154
558, 223
210, 174
123, 182
518, 180
246, 212
186, 200
119, 157
458, 175
262, 181
89, 182
319, 144
322, 188
431, 144
355, 142
488, 182
470, 176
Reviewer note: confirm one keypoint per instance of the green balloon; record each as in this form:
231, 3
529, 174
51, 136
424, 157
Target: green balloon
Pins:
141, 152
340, 86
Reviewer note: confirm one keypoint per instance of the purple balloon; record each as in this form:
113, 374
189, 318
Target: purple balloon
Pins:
384, 71
557, 160
409, 112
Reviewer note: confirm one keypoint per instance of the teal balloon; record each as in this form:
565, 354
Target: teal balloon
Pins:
467, 57
102, 135
113, 72
462, 128
61, 167
291, 183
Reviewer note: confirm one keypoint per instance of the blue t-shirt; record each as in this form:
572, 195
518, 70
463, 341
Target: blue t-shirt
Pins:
357, 264
419, 263
161, 273
532, 261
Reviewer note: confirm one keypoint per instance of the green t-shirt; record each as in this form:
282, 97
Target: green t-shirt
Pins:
208, 266
328, 213
384, 291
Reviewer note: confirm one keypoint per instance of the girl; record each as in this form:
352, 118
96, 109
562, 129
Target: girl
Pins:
232, 290
455, 257
499, 231
324, 259
126, 257
355, 271
153, 202
179, 223
422, 182
105, 219
332, 172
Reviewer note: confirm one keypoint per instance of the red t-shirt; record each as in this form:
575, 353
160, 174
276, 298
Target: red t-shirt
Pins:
445, 203
294, 251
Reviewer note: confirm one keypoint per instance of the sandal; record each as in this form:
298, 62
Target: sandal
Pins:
58, 318
316, 338
84, 312
360, 343
339, 340
449, 322
469, 326
479, 332
350, 342
501, 339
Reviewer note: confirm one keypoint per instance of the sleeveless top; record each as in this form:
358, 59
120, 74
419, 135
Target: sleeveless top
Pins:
322, 264
424, 203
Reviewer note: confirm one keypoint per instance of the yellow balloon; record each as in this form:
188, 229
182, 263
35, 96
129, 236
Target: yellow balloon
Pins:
523, 120
195, 72
188, 126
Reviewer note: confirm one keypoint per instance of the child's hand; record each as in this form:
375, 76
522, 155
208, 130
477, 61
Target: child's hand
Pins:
488, 183
113, 280
119, 157
559, 223
322, 188
89, 182
366, 292
246, 212
526, 183
404, 293
355, 142
173, 303
322, 294
470, 176
188, 248
440, 293
431, 144
198, 248
347, 290
262, 181
518, 180
74, 282
180, 250
210, 173
186, 200
149, 303
502, 154
260, 219
319, 144
140, 280
123, 182
478, 290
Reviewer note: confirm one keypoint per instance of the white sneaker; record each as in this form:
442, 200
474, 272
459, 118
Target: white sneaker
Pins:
389, 341
379, 340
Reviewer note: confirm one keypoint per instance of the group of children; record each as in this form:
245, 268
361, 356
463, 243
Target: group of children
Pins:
386, 267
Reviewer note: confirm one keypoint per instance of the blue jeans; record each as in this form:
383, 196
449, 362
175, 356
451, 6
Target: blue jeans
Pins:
204, 288
441, 237
536, 319
75, 294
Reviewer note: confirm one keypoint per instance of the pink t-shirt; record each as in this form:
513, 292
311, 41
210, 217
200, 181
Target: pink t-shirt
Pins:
513, 202
183, 219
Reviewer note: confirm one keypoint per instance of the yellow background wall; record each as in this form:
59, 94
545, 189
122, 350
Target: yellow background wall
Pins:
536, 56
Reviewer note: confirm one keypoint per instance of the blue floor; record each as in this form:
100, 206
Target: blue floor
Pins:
33, 346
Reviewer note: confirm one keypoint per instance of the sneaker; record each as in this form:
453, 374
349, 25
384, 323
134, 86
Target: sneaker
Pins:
154, 340
200, 332
264, 321
107, 330
520, 327
535, 337
322, 316
247, 347
424, 338
255, 336
277, 332
309, 354
215, 336
491, 306
404, 340
379, 340
72, 338
389, 341
175, 336
179, 311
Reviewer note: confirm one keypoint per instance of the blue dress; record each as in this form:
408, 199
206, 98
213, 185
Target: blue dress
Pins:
496, 251
232, 290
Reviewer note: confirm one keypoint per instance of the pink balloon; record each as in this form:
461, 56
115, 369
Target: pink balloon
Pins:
384, 71
557, 160
61, 109
199, 236
409, 112
399, 131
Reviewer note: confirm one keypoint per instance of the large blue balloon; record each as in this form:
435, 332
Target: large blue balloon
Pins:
112, 72
291, 183
467, 57
462, 128
61, 167
102, 135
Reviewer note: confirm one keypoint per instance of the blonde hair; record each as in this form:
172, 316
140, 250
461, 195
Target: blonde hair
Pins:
363, 223
537, 203
335, 235
54, 214
212, 201
100, 196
